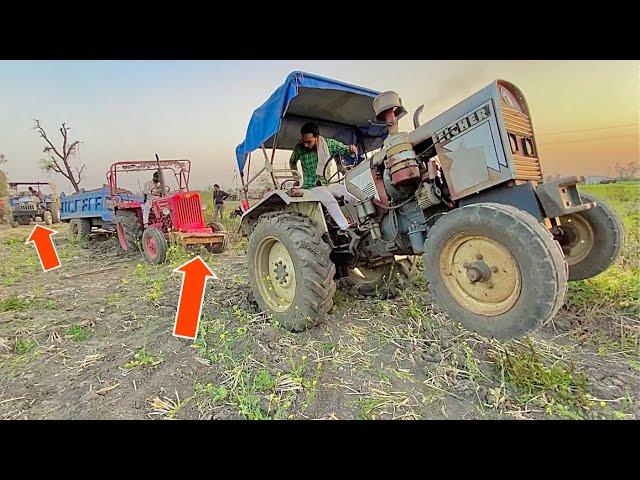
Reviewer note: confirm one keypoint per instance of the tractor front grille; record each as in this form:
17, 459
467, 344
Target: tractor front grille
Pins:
525, 159
189, 211
27, 207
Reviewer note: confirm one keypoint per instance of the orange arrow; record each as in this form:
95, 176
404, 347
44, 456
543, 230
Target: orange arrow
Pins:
195, 276
41, 238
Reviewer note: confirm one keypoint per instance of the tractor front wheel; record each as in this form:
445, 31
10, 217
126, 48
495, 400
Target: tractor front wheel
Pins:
219, 247
495, 269
591, 240
48, 220
129, 229
290, 272
154, 245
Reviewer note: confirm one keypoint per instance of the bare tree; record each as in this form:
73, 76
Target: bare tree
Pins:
61, 162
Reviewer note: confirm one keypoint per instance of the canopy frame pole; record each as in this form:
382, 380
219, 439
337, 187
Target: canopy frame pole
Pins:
245, 187
266, 162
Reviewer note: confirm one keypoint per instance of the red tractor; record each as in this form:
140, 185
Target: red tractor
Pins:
178, 215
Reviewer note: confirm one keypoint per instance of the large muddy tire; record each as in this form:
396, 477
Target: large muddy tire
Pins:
80, 228
154, 245
55, 214
129, 229
221, 246
495, 269
383, 282
290, 272
591, 240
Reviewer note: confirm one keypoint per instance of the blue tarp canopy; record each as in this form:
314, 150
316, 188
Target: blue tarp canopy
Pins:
342, 111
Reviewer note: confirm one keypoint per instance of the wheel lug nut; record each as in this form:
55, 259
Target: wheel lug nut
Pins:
479, 256
494, 269
490, 285
466, 265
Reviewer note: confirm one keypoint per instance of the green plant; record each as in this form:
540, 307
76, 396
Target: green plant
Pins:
77, 333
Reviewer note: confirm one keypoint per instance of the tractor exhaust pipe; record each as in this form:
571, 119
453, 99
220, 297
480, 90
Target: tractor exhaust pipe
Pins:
161, 175
416, 116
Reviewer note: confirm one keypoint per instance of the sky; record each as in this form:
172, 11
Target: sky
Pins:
585, 113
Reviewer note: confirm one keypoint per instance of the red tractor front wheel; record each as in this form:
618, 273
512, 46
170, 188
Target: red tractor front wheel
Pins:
154, 245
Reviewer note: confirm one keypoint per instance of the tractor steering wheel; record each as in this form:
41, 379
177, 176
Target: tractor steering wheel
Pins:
158, 190
337, 158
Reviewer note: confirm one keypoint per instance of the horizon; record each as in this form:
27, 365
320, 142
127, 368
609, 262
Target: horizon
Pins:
585, 113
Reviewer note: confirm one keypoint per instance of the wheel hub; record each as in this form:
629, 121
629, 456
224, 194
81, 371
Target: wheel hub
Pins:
281, 272
276, 274
576, 238
481, 274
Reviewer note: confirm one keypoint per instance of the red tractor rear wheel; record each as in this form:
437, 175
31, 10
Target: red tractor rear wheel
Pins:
154, 245
129, 229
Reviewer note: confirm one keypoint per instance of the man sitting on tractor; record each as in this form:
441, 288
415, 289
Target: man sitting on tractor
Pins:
151, 190
313, 152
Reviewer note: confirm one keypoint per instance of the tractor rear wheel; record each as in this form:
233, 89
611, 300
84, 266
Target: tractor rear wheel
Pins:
290, 272
220, 247
383, 282
55, 214
495, 269
129, 229
80, 228
154, 245
591, 240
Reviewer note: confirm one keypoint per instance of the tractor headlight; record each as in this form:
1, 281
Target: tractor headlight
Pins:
166, 211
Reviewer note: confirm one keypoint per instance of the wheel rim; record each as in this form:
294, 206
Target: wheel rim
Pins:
276, 274
151, 246
481, 274
577, 238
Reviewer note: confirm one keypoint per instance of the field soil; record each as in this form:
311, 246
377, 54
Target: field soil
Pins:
93, 340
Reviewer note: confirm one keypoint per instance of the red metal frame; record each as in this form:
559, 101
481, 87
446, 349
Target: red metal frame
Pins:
181, 170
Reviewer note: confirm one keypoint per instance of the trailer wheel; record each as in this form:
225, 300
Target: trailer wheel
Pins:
219, 247
495, 269
154, 245
383, 282
290, 272
80, 228
128, 228
591, 240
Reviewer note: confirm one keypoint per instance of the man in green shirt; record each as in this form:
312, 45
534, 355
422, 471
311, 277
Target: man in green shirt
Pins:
314, 152
307, 153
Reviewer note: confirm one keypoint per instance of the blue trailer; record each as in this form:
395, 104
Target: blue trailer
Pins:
89, 209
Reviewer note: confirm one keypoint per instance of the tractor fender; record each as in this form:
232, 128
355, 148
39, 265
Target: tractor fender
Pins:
279, 200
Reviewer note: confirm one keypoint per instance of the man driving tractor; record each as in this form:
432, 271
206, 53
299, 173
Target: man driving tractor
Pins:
313, 152
151, 190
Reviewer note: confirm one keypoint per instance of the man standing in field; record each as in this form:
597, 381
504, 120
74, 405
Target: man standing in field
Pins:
219, 196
